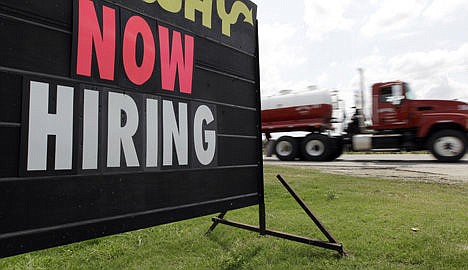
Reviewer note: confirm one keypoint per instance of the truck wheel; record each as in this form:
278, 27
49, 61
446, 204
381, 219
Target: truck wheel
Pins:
337, 146
448, 145
316, 147
270, 148
286, 148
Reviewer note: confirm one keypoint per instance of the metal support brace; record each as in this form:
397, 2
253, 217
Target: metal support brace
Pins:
332, 243
215, 222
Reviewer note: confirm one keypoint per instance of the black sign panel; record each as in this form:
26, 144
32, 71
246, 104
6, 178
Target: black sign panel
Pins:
120, 115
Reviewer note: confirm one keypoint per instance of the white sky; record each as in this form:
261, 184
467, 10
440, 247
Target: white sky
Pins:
323, 42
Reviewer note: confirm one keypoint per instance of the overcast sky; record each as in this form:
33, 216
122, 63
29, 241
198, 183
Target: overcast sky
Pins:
323, 42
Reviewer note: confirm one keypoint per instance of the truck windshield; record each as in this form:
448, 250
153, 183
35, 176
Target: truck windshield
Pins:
408, 92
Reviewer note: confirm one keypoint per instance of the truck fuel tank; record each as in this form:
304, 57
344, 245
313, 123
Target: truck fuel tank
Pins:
377, 142
362, 142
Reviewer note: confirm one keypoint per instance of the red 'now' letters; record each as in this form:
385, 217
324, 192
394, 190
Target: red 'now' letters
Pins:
170, 64
89, 33
138, 74
176, 59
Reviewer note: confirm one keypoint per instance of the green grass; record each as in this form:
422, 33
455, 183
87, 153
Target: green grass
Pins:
373, 218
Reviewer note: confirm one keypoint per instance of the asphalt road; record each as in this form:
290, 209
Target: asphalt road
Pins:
420, 167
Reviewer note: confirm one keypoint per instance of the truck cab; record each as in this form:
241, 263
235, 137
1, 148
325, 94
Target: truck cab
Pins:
437, 125
390, 106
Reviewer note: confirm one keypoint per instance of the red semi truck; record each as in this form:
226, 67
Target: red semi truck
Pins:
399, 123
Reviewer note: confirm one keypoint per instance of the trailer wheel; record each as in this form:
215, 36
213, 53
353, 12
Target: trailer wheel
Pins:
286, 148
316, 147
337, 148
448, 145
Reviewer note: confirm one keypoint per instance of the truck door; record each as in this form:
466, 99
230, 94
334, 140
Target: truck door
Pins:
392, 110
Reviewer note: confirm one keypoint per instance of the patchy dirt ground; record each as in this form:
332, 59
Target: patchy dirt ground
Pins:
419, 167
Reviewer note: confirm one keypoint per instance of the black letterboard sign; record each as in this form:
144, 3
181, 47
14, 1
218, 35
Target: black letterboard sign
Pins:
117, 115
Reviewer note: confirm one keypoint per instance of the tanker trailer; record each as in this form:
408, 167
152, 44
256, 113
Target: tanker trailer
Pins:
307, 111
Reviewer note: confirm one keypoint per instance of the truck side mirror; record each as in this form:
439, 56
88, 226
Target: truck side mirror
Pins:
397, 94
395, 100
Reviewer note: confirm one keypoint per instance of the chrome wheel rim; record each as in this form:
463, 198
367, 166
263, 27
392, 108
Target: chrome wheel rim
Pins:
284, 148
448, 146
315, 148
